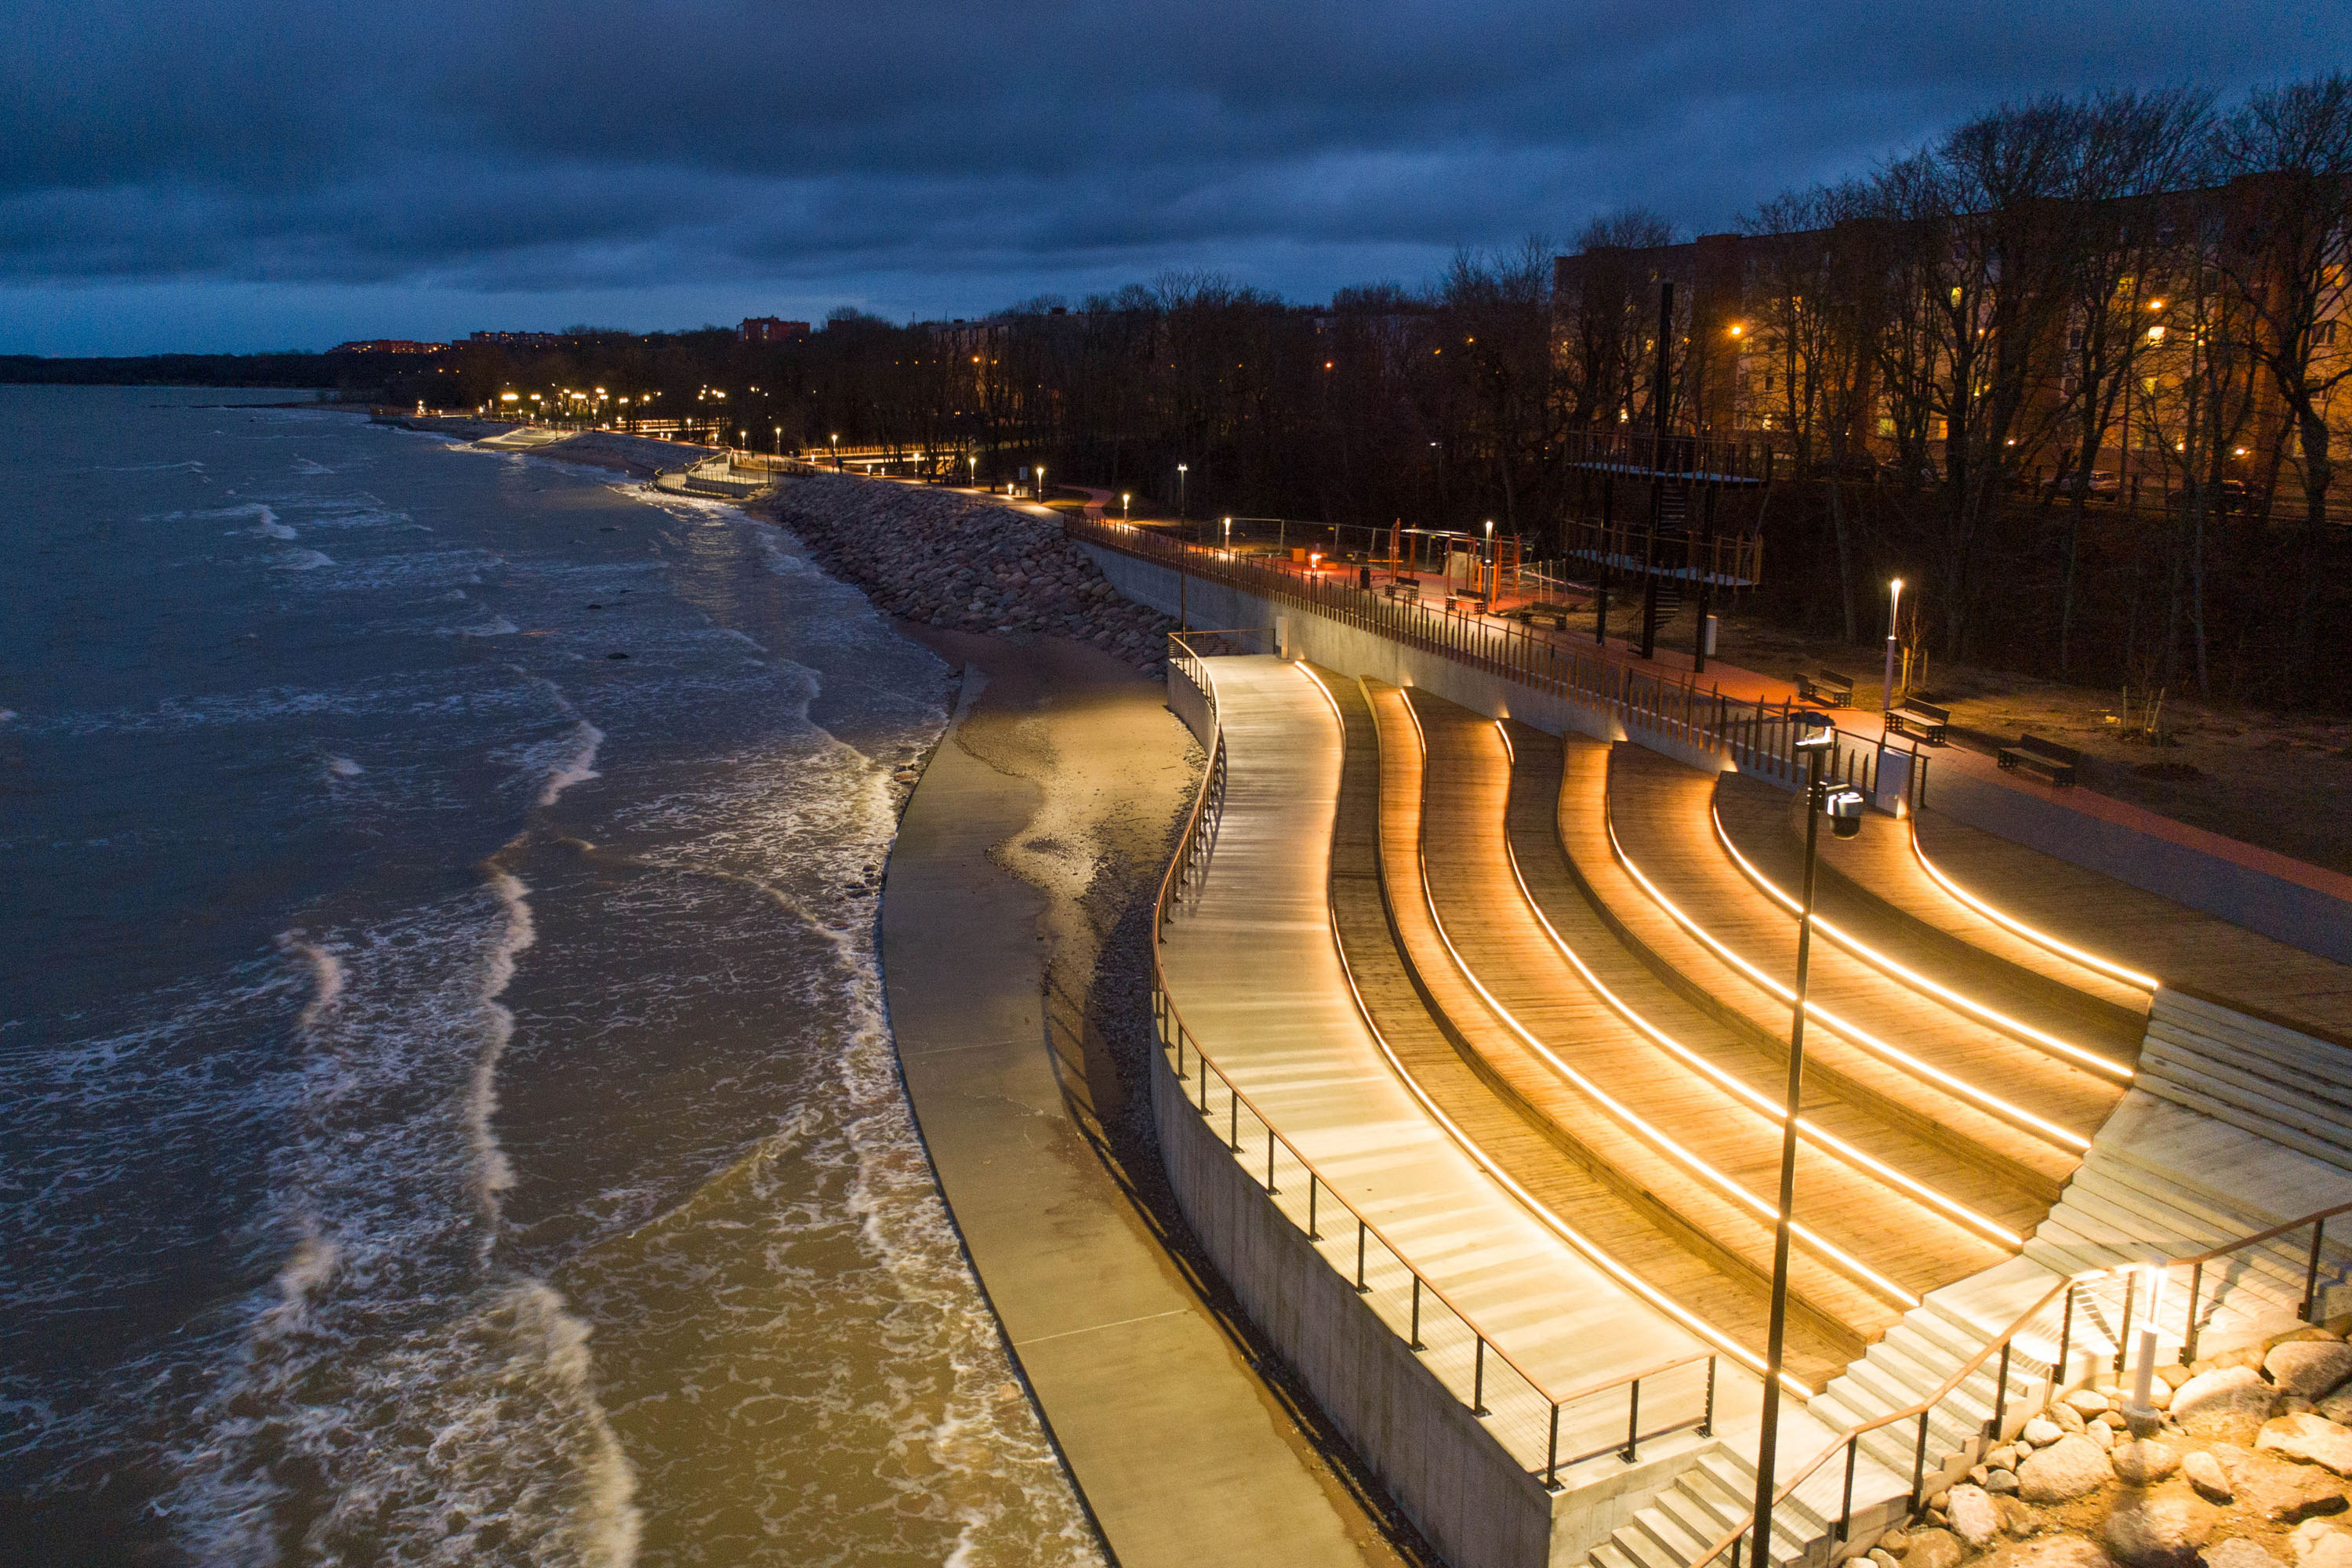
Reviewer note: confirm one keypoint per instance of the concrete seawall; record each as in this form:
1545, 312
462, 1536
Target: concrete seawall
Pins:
2275, 907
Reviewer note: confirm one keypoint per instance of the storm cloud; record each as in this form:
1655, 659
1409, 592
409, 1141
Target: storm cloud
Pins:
410, 169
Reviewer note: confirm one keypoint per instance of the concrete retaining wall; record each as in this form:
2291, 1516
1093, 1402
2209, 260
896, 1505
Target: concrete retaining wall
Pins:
1458, 1485
2283, 910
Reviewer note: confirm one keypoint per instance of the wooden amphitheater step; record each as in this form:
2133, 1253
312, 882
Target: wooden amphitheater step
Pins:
1836, 1069
1766, 826
1688, 1249
1495, 936
1660, 812
1555, 892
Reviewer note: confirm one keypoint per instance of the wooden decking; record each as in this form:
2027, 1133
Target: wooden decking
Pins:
1554, 1173
1253, 967
1876, 1249
1660, 816
2179, 946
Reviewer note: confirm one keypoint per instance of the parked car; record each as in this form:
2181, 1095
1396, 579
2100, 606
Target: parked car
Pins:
2102, 485
2224, 498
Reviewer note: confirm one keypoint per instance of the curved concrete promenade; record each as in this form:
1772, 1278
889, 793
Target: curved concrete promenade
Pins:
1061, 775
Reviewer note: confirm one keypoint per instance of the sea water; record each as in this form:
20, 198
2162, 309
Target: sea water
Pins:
447, 1113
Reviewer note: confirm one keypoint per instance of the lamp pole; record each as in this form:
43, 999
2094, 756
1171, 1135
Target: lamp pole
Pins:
1845, 812
1126, 510
1180, 471
1894, 599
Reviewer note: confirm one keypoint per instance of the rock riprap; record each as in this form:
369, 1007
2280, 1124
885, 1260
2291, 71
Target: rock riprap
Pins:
965, 564
2073, 1466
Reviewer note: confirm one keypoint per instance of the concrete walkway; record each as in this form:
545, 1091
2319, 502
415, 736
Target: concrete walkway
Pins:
1062, 771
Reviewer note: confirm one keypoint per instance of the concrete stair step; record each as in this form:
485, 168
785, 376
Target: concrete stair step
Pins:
1944, 1430
2195, 1099
2236, 1087
2292, 1056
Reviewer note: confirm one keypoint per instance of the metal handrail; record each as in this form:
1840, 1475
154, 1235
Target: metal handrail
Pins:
2004, 1345
1170, 1022
1758, 735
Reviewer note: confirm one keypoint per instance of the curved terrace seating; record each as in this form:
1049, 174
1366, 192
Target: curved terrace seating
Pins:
1762, 829
1253, 967
1379, 811
1849, 1215
1660, 828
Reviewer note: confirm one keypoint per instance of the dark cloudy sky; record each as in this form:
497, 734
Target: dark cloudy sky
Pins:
241, 174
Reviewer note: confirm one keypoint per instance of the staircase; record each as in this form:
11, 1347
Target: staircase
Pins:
2279, 1083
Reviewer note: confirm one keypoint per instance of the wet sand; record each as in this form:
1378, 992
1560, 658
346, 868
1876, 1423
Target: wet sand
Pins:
1014, 925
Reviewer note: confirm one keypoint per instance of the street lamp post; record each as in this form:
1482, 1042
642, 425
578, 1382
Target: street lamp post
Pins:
1041, 484
1180, 471
1489, 583
836, 451
1844, 811
1124, 498
1894, 599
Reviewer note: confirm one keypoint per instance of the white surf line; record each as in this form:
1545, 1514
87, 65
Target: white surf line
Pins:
2072, 1142
2041, 939
1887, 965
1625, 1113
1535, 1206
1806, 1127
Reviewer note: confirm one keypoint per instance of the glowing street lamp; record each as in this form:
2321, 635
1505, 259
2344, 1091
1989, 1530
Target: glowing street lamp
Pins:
1180, 471
1894, 600
1124, 511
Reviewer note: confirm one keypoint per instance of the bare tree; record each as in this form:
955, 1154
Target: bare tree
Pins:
2135, 147
2291, 149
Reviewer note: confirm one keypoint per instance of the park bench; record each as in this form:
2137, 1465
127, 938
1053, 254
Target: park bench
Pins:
1543, 611
1407, 590
1829, 688
1925, 720
2052, 761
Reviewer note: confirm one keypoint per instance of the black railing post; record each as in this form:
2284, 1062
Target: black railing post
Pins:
2000, 1392
1845, 1508
1232, 1119
1632, 1423
1361, 1288
1919, 1462
1414, 1342
1312, 1184
1551, 1453
2188, 1336
1271, 1190
2311, 1275
1478, 1379
1706, 1422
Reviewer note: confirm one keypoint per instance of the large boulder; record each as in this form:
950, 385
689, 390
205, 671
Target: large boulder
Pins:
2070, 1468
2204, 1472
1974, 1519
2054, 1551
2309, 1367
1933, 1548
2161, 1529
2239, 1553
2229, 1402
2308, 1440
2318, 1545
2285, 1493
2143, 1464
2041, 1432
